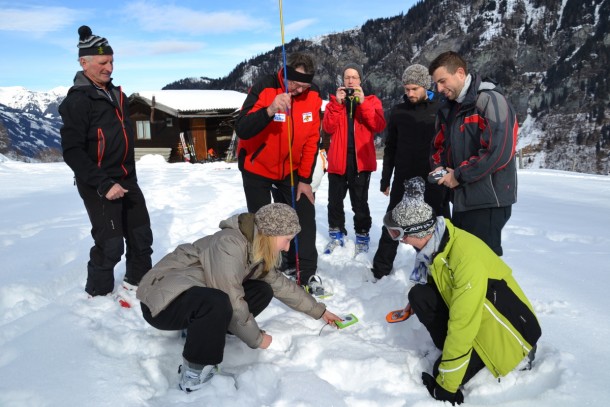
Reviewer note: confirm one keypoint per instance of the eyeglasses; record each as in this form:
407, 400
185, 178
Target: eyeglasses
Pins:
354, 78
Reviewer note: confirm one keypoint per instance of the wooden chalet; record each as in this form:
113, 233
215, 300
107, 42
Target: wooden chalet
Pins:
205, 117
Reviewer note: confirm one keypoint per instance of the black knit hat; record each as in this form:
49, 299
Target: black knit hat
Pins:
90, 44
277, 219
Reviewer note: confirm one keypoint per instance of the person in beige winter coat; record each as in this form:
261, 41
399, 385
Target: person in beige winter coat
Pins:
220, 283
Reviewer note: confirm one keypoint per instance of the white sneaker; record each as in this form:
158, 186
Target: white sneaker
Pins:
192, 379
126, 295
129, 287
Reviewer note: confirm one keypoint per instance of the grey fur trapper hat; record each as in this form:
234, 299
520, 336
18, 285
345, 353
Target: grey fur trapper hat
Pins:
412, 213
277, 219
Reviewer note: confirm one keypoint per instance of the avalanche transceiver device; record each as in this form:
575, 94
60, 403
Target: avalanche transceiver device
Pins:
436, 175
348, 320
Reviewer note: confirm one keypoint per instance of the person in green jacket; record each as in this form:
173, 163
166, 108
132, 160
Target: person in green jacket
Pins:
465, 296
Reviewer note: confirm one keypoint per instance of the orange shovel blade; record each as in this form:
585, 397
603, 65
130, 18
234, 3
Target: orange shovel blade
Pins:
399, 315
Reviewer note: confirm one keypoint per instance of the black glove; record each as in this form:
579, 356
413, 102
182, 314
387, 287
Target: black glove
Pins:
439, 393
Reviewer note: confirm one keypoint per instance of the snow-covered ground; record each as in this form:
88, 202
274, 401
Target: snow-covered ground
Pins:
59, 348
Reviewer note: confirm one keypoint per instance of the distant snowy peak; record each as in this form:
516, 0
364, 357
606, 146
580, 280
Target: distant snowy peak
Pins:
18, 97
201, 79
30, 122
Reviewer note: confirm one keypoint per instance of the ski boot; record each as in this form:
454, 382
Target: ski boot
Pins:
336, 240
314, 287
362, 243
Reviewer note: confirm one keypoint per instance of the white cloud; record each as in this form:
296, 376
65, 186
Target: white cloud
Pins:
154, 17
249, 50
37, 20
174, 47
294, 28
158, 47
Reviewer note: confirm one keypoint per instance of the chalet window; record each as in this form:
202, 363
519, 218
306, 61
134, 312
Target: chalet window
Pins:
143, 129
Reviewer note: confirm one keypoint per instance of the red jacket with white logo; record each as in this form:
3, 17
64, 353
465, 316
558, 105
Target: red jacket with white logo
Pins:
263, 147
369, 120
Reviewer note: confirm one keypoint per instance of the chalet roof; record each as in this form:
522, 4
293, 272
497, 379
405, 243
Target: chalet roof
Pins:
188, 102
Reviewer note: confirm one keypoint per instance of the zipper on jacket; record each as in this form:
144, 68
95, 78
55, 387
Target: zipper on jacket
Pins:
101, 146
291, 143
451, 274
493, 314
491, 184
121, 118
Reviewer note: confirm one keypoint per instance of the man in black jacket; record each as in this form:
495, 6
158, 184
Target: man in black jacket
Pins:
407, 154
97, 140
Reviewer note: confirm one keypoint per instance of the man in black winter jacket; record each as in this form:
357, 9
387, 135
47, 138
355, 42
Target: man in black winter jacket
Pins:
97, 140
407, 155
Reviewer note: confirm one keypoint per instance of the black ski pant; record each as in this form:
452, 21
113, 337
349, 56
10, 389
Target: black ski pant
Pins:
436, 196
205, 313
258, 194
485, 223
432, 312
357, 184
115, 225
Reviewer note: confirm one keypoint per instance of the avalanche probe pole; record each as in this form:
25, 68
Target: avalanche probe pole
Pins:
288, 116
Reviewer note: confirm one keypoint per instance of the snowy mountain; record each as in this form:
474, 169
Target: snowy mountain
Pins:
551, 57
39, 103
30, 122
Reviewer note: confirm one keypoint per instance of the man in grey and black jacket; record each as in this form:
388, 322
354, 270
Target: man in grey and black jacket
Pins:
475, 141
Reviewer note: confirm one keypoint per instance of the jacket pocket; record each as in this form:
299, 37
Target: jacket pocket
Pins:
479, 193
514, 310
257, 152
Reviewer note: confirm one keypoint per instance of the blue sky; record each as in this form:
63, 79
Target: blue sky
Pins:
157, 42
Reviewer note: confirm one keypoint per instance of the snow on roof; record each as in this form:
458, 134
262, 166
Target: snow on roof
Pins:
192, 100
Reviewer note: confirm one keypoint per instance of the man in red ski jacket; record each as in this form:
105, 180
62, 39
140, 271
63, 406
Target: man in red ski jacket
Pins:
271, 120
351, 119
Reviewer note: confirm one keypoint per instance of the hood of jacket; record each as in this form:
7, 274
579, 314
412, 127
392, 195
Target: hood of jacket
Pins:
244, 222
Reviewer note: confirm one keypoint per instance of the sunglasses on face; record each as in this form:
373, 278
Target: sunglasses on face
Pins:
397, 233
